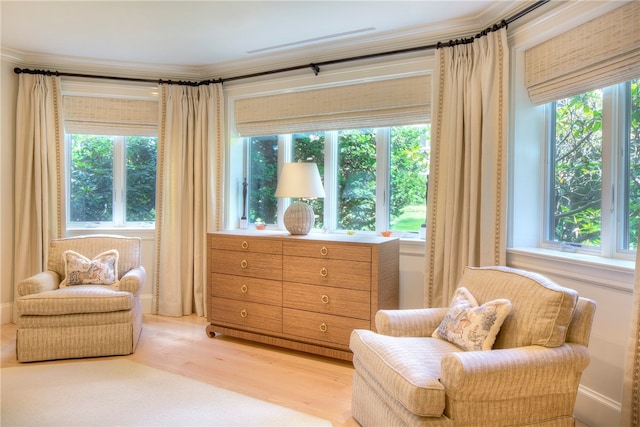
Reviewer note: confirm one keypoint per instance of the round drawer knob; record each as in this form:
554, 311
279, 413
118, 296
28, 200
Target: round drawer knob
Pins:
245, 245
323, 327
244, 263
324, 251
325, 299
243, 313
244, 289
324, 272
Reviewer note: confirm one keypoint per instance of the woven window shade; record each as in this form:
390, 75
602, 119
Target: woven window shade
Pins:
394, 102
110, 116
599, 53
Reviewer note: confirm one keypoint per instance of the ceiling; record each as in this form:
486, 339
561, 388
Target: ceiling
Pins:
224, 36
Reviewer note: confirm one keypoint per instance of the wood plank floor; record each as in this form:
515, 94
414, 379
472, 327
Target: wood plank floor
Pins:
315, 385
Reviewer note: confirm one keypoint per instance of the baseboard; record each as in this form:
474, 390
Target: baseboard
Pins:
147, 303
6, 312
6, 309
595, 409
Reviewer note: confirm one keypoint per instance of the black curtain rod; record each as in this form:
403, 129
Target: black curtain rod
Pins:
315, 67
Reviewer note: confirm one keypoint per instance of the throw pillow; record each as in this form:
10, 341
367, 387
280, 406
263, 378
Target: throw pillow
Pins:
80, 270
470, 326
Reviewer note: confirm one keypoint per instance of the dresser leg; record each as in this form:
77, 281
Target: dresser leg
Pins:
210, 331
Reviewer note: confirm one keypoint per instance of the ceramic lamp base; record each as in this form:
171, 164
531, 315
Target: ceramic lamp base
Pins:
299, 218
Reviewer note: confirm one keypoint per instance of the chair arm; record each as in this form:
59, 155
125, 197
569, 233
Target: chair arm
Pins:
512, 373
41, 282
133, 280
410, 322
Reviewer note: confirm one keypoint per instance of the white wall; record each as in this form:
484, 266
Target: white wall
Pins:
8, 94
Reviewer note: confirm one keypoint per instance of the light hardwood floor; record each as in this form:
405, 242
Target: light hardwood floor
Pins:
315, 385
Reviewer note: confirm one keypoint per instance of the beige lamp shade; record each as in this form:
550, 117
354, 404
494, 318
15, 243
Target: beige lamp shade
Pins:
299, 180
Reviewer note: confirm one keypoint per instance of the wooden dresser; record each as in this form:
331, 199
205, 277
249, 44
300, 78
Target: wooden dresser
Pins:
301, 292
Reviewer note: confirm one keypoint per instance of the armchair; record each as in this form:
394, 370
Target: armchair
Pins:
55, 321
405, 376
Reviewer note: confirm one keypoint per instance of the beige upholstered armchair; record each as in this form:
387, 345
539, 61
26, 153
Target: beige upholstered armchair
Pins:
406, 376
86, 304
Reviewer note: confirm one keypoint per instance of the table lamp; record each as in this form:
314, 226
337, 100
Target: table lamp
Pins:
299, 180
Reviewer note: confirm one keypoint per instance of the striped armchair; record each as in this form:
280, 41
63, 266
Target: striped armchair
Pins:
404, 376
82, 320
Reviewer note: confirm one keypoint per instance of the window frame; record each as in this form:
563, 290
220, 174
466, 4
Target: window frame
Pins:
615, 111
119, 193
383, 143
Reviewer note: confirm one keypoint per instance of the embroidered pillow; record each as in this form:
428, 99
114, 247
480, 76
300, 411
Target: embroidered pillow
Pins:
470, 326
101, 270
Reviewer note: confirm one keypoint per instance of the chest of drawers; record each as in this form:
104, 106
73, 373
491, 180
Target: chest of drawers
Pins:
301, 292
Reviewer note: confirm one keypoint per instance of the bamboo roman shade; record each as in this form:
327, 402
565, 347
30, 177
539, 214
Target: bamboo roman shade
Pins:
394, 102
110, 116
599, 53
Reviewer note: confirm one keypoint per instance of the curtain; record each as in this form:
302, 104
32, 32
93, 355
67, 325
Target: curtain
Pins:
189, 195
631, 381
466, 205
39, 201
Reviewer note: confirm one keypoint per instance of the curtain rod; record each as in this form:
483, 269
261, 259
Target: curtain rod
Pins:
315, 67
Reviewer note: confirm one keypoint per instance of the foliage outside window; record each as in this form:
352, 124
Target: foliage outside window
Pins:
357, 202
112, 180
581, 182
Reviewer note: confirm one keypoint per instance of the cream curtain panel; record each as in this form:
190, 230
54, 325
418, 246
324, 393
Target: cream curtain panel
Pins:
39, 208
599, 53
393, 102
466, 209
631, 382
189, 194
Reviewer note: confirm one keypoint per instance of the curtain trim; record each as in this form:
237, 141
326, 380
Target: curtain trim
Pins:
434, 183
159, 198
61, 196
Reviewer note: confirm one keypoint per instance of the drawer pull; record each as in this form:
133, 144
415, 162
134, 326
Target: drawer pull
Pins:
243, 313
244, 263
323, 272
245, 245
325, 299
324, 251
244, 289
323, 327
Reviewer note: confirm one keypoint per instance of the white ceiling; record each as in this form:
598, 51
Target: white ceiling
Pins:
218, 35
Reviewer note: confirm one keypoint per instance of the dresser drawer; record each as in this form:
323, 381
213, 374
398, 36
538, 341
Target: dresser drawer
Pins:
248, 289
243, 314
327, 250
249, 264
246, 244
327, 272
328, 300
321, 327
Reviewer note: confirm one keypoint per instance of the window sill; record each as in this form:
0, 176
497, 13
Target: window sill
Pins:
611, 273
145, 233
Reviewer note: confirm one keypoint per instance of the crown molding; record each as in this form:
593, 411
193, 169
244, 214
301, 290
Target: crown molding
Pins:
369, 44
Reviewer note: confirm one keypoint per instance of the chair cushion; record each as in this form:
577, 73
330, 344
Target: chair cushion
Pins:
471, 326
75, 299
407, 368
541, 310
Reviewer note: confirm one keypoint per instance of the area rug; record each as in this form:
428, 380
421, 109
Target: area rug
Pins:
119, 392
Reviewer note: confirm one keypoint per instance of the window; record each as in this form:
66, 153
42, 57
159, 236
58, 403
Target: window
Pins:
593, 200
112, 180
111, 154
374, 177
